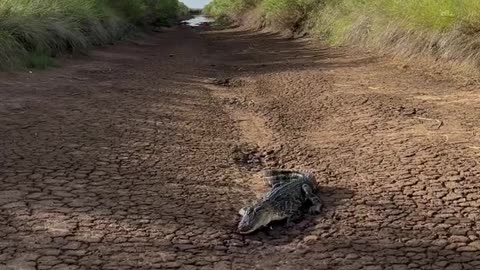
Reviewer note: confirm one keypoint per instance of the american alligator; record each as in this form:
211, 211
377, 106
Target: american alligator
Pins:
290, 190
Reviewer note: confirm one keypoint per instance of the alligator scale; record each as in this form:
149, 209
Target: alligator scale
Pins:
290, 191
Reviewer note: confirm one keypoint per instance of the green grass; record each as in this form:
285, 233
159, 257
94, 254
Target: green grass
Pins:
447, 29
34, 31
287, 13
429, 14
444, 29
221, 8
11, 50
40, 61
434, 15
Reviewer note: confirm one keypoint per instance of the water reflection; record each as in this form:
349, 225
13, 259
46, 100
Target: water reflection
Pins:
198, 20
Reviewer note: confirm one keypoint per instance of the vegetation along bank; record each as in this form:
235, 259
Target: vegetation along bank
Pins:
440, 29
32, 32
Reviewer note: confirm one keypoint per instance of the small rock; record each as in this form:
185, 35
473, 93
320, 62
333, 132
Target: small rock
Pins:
236, 243
310, 239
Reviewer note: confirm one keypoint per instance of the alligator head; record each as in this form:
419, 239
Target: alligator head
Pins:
255, 217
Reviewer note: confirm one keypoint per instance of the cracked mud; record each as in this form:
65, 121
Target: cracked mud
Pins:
123, 160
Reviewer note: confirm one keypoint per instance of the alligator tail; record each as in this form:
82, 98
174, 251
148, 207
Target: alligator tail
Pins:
282, 175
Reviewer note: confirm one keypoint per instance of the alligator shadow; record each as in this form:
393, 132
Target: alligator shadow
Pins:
280, 233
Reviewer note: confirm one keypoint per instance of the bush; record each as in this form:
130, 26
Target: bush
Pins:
195, 11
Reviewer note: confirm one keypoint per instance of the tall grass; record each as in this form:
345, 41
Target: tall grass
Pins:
32, 30
442, 29
430, 14
284, 14
447, 29
230, 8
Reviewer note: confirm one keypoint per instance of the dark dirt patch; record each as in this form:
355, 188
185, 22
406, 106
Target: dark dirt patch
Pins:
253, 157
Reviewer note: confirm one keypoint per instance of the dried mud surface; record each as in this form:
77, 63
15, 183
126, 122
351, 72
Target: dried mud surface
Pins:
139, 157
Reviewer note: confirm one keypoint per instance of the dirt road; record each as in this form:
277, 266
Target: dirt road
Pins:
134, 158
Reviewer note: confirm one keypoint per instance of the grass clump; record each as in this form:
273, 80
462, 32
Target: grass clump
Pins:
11, 51
32, 32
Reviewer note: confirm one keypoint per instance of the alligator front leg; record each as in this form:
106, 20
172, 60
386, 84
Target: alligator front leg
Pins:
295, 216
317, 204
243, 211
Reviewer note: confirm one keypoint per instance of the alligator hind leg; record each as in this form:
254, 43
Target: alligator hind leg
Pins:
317, 204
